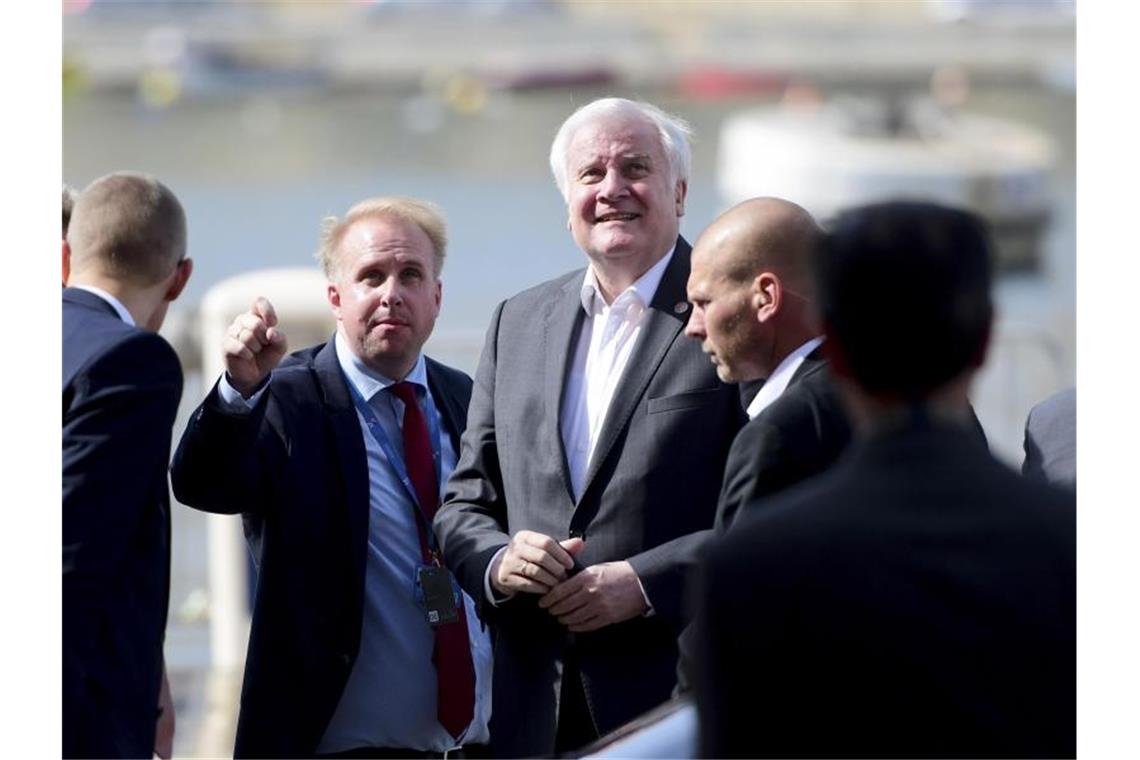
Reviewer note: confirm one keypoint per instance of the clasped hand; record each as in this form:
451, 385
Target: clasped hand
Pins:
598, 596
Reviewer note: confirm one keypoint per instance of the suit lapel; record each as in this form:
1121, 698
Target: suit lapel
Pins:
563, 328
350, 452
454, 418
662, 325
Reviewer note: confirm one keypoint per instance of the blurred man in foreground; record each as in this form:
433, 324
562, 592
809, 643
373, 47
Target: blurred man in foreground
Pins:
918, 599
336, 459
596, 440
124, 261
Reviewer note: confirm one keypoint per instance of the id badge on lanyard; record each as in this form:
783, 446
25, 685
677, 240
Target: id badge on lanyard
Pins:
436, 590
437, 594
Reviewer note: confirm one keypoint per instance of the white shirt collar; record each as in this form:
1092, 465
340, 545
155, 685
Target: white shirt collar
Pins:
643, 288
116, 304
368, 381
777, 383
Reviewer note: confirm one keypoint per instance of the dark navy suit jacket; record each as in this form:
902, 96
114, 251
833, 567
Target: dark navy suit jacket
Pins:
916, 600
296, 468
121, 387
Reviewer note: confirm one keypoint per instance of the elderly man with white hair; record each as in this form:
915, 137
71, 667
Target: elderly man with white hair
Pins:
596, 439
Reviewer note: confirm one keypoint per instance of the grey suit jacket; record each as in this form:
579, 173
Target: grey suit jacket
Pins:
1051, 440
649, 498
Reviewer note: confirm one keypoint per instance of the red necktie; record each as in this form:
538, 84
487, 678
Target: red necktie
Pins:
455, 674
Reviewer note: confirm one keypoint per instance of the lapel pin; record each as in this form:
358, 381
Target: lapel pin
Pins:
680, 307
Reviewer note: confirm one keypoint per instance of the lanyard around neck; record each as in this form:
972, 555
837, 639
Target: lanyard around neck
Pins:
397, 461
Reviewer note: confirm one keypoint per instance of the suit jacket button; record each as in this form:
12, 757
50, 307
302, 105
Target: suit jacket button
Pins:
345, 659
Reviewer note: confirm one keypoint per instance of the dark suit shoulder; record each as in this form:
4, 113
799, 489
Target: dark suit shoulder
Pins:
296, 374
448, 375
455, 386
910, 481
96, 339
94, 324
131, 357
762, 516
300, 359
800, 435
153, 355
811, 407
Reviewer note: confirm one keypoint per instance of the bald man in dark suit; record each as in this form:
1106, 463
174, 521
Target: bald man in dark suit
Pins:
752, 293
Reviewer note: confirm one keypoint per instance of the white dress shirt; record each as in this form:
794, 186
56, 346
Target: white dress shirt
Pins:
605, 344
777, 383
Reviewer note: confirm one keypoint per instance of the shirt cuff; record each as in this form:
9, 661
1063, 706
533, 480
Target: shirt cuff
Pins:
494, 597
232, 401
649, 611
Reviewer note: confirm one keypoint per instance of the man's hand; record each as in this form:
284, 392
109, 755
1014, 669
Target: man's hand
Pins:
598, 596
252, 347
164, 728
533, 562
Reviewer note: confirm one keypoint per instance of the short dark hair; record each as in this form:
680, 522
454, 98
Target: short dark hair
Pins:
904, 289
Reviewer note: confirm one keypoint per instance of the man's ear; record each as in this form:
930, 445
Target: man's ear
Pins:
766, 295
333, 294
680, 191
66, 262
182, 274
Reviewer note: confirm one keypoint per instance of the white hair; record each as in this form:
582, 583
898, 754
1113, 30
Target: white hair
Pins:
675, 134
